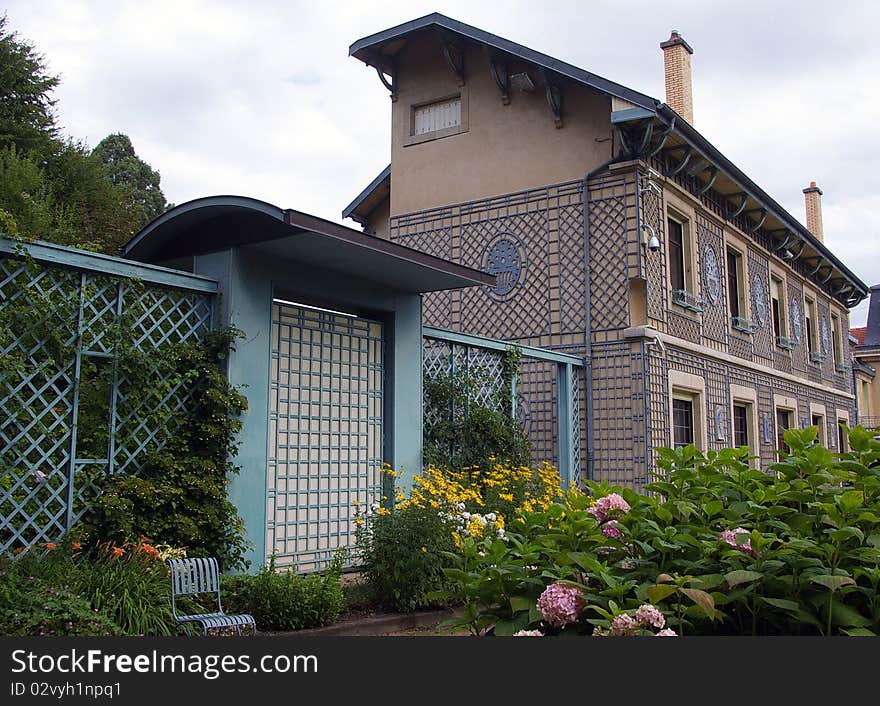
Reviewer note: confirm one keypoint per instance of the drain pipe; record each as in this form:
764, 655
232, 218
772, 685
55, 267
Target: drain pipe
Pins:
588, 349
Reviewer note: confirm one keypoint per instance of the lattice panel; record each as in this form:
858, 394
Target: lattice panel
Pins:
526, 310
655, 263
740, 345
759, 289
658, 432
571, 302
56, 317
684, 326
619, 431
607, 229
325, 439
536, 390
713, 280
719, 430
169, 316
436, 306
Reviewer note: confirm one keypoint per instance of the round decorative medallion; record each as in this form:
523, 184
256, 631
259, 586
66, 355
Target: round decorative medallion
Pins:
759, 300
825, 335
712, 274
505, 258
797, 326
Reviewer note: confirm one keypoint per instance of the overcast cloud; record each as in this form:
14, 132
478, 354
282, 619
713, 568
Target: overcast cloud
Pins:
261, 98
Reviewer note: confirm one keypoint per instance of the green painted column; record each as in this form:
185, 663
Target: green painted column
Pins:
246, 303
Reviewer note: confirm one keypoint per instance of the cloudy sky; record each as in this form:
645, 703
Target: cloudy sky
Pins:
260, 98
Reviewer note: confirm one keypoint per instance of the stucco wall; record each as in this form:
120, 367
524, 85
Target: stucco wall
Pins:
504, 148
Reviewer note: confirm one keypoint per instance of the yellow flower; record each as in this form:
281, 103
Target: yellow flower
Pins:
424, 550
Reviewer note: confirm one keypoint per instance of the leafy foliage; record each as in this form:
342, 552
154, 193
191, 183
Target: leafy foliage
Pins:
287, 600
459, 431
69, 589
54, 187
180, 492
719, 547
128, 171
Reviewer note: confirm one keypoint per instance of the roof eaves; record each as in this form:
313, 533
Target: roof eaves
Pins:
696, 140
351, 209
361, 47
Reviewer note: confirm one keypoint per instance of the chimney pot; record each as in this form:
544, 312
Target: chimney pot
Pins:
677, 68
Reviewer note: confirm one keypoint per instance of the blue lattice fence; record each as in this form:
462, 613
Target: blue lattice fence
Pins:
69, 414
544, 395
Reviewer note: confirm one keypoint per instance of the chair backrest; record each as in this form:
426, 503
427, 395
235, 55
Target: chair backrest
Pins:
191, 576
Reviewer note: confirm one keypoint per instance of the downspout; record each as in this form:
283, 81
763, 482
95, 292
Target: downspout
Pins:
588, 356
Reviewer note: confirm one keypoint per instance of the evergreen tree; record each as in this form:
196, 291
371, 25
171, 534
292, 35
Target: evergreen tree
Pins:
127, 171
27, 121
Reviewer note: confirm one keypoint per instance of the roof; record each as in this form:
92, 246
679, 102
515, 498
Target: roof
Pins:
859, 335
220, 222
379, 50
369, 198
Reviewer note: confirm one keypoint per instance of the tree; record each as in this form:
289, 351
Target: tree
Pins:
128, 171
27, 121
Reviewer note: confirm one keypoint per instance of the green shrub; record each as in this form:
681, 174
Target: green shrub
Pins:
719, 547
36, 608
65, 590
286, 600
401, 557
459, 431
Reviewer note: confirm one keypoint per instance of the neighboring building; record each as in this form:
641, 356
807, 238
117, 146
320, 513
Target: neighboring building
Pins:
866, 359
705, 312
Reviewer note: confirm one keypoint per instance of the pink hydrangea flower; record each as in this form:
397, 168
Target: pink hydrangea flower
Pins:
649, 616
560, 605
623, 624
610, 530
39, 476
729, 537
666, 633
607, 506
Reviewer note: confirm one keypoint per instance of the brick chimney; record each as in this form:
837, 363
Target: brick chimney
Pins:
677, 65
813, 199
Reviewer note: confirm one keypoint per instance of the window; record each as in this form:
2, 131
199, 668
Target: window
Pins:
682, 421
780, 318
818, 421
835, 342
783, 422
841, 436
740, 425
437, 116
810, 320
865, 406
676, 254
734, 286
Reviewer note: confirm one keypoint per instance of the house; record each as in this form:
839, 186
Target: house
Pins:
705, 312
865, 342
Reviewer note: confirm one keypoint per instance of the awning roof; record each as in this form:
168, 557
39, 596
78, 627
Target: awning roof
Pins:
219, 222
668, 130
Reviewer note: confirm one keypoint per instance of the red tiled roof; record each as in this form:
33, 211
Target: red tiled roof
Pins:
859, 334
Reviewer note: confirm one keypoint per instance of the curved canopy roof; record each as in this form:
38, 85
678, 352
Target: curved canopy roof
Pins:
218, 223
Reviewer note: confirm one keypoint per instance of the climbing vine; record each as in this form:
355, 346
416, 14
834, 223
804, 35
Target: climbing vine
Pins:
159, 464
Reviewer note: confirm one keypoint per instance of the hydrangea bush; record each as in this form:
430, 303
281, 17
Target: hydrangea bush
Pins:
715, 547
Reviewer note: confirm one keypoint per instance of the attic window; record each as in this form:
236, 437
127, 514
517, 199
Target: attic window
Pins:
438, 118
